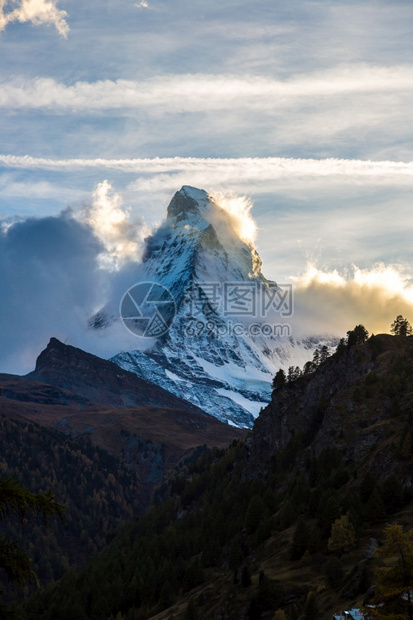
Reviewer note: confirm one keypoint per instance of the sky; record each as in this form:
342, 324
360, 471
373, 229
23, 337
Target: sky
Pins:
302, 110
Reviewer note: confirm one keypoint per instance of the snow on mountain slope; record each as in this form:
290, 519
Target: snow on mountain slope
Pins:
230, 333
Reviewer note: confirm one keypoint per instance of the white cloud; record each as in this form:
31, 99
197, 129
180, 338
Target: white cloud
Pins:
203, 92
240, 209
333, 302
121, 235
168, 170
38, 12
337, 210
142, 5
363, 110
69, 266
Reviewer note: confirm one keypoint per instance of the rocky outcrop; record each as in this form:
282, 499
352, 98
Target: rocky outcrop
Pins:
342, 403
99, 380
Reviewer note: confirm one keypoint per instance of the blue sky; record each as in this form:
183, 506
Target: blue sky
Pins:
303, 107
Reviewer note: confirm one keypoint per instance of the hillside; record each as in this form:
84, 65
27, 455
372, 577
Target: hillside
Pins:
247, 533
99, 491
356, 402
102, 439
132, 419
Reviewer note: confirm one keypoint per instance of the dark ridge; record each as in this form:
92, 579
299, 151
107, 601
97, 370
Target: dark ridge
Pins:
99, 380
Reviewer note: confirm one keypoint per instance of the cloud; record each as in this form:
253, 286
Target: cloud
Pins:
142, 5
38, 12
240, 209
57, 272
333, 302
169, 169
48, 277
206, 92
342, 210
41, 189
121, 236
363, 110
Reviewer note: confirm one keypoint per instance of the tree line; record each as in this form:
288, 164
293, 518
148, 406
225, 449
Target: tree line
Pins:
400, 327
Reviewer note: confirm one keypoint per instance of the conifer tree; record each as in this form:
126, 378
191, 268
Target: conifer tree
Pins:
190, 613
316, 358
167, 595
375, 507
334, 572
294, 372
358, 335
401, 327
16, 500
394, 584
255, 513
309, 367
279, 380
341, 347
324, 354
287, 515
245, 576
300, 540
343, 536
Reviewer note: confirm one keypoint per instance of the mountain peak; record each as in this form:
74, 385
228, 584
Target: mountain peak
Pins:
201, 239
188, 200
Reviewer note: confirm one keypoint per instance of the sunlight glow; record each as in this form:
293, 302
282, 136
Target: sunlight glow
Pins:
332, 301
239, 207
111, 222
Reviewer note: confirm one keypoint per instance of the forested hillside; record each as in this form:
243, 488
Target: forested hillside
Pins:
102, 462
99, 492
270, 526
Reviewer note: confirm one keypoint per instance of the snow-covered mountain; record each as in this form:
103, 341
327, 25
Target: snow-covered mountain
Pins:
228, 325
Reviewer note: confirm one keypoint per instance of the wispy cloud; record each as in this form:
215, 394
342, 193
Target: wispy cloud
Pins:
336, 209
142, 5
168, 170
42, 189
189, 93
61, 272
358, 109
38, 12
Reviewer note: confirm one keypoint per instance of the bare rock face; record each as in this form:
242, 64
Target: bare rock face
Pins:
99, 380
184, 202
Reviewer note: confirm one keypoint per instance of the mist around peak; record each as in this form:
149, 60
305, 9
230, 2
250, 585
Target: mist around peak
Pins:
58, 271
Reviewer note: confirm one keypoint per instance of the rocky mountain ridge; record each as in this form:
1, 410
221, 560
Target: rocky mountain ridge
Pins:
99, 380
86, 397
